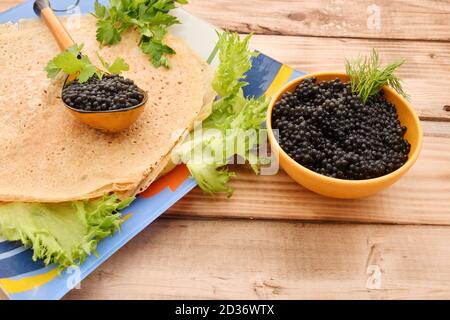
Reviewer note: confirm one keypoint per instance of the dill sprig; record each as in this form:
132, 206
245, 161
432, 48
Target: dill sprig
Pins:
368, 77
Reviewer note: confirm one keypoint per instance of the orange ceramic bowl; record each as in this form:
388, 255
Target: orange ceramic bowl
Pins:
340, 188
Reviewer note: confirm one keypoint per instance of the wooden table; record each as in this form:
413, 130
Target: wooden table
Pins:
276, 240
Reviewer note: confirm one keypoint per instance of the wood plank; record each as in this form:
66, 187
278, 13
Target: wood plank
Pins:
261, 259
237, 259
420, 197
315, 54
426, 73
398, 19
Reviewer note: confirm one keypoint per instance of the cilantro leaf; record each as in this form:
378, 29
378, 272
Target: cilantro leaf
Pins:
118, 66
72, 62
66, 62
107, 34
100, 11
52, 69
157, 50
150, 18
88, 72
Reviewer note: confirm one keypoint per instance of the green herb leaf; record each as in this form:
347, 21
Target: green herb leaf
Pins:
157, 50
150, 18
71, 62
87, 73
100, 11
68, 62
107, 34
52, 70
367, 77
118, 66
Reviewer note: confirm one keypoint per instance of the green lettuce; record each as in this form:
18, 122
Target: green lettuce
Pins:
62, 233
233, 118
235, 61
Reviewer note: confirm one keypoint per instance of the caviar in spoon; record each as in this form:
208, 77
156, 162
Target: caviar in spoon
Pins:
112, 92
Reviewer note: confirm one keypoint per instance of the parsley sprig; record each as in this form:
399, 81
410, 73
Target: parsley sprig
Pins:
72, 62
150, 18
368, 77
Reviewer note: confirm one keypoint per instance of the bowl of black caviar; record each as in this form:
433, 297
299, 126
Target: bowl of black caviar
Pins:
333, 143
110, 104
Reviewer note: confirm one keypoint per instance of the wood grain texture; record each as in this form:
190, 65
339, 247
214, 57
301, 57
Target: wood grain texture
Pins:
398, 19
176, 259
420, 197
426, 73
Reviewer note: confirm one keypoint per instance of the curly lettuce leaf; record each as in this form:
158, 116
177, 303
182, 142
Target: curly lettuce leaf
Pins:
235, 61
63, 233
233, 126
211, 177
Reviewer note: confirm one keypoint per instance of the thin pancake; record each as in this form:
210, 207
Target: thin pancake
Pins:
167, 165
48, 156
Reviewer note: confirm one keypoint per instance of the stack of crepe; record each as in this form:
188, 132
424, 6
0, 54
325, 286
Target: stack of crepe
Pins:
48, 157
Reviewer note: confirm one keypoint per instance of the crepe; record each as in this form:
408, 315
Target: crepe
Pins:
49, 156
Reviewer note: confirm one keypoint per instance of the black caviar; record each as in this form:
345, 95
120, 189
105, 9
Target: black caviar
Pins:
112, 92
327, 129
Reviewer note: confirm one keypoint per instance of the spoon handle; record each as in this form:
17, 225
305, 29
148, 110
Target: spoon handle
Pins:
58, 30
